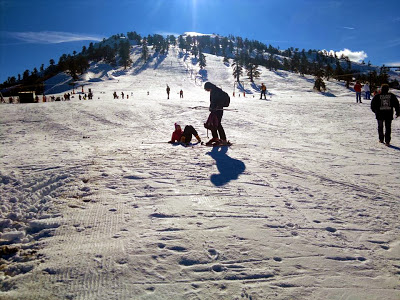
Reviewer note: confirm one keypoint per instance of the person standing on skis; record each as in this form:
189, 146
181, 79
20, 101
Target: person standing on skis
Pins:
263, 91
216, 108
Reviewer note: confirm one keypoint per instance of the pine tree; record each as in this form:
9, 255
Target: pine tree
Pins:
237, 68
195, 51
82, 64
319, 84
145, 50
286, 65
303, 68
328, 71
252, 71
110, 55
338, 71
295, 62
181, 43
124, 51
202, 60
134, 37
25, 75
171, 39
226, 60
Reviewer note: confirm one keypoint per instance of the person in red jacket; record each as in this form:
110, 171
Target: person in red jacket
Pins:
357, 89
184, 136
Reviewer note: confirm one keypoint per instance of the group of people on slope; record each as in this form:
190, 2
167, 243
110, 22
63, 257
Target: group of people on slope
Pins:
382, 105
218, 132
358, 89
168, 90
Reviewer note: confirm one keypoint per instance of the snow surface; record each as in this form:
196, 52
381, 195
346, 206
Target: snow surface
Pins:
96, 205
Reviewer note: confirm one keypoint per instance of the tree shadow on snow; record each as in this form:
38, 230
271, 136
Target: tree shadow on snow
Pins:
255, 87
159, 59
281, 74
328, 94
195, 60
204, 75
241, 88
229, 168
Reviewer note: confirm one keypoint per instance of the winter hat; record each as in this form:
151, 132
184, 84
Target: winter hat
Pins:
177, 126
208, 86
385, 88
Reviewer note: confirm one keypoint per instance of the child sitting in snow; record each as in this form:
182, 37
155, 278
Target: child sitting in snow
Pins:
184, 136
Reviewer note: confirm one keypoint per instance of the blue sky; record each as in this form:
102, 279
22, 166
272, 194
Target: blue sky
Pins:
34, 31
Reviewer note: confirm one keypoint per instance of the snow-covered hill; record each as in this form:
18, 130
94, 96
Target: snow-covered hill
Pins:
96, 205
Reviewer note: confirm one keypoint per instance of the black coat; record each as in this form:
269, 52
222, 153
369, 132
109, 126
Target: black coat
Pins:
382, 105
215, 96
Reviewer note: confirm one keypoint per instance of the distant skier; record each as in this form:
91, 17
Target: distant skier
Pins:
357, 89
184, 136
263, 91
181, 94
367, 91
216, 108
382, 105
168, 90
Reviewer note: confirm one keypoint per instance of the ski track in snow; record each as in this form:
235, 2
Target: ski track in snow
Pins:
96, 205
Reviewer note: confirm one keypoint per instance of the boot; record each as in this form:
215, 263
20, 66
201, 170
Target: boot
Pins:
213, 140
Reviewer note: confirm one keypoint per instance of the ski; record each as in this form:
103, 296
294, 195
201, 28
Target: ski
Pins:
217, 144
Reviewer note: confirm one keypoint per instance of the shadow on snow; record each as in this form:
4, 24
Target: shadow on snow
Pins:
229, 168
394, 147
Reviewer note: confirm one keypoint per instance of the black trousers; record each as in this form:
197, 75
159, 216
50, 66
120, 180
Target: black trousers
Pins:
263, 93
188, 132
388, 130
219, 129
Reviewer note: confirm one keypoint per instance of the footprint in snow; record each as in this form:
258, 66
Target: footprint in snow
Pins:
213, 254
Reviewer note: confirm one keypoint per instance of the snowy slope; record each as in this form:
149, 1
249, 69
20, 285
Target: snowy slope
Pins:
96, 205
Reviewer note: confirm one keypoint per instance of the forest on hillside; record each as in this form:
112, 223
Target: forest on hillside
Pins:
243, 55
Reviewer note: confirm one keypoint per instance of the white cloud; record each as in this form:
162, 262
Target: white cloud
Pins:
165, 33
191, 33
356, 56
349, 28
52, 37
392, 64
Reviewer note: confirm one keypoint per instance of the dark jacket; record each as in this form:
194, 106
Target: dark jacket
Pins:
215, 95
382, 105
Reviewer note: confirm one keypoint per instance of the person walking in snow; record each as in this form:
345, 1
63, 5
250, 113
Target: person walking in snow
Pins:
168, 90
184, 136
216, 108
367, 91
181, 94
357, 89
263, 91
382, 105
